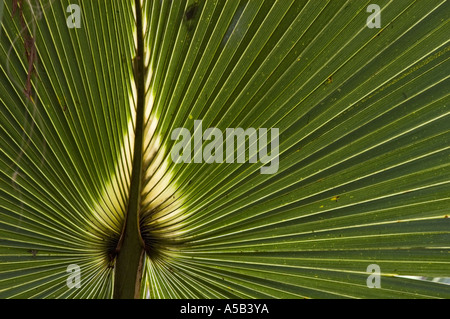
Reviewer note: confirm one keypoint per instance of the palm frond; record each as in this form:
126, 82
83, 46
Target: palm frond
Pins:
363, 172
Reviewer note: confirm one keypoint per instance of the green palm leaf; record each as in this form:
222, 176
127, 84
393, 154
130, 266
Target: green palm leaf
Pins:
87, 176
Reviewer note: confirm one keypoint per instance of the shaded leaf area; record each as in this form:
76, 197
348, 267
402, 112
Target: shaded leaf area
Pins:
364, 164
65, 149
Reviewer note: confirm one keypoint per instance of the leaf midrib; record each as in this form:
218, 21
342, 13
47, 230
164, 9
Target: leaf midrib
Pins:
129, 263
